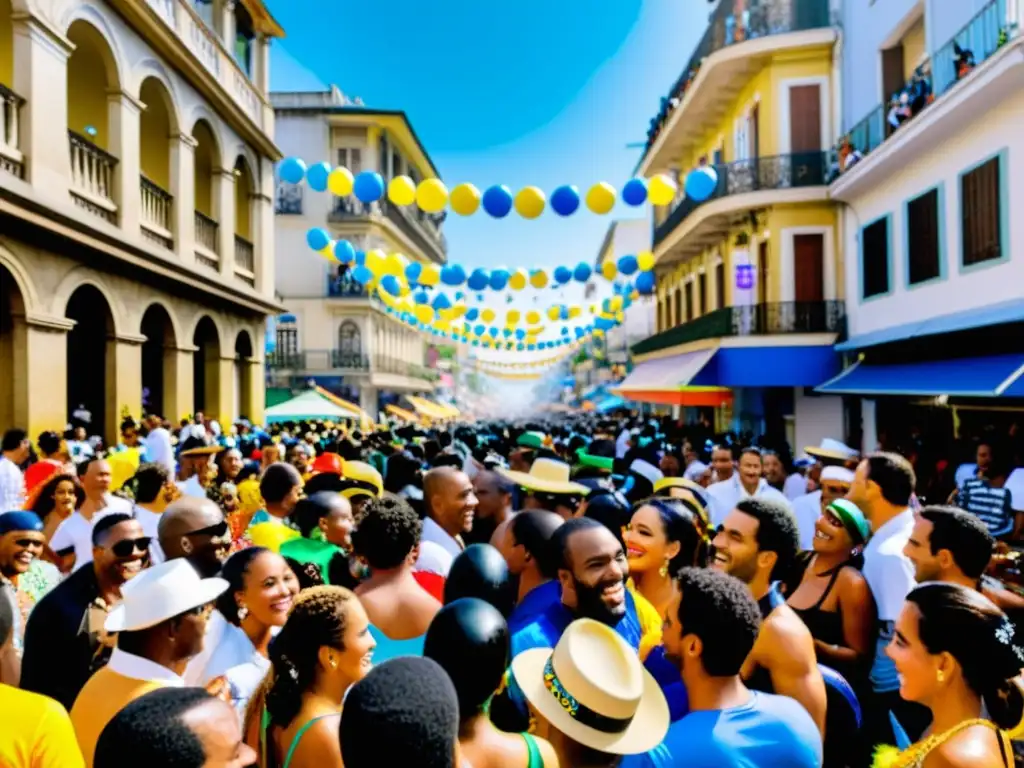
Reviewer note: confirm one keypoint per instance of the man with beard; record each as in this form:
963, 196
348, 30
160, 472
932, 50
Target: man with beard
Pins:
758, 543
711, 627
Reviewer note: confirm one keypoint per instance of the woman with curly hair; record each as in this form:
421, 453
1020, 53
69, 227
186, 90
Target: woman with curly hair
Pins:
324, 648
387, 539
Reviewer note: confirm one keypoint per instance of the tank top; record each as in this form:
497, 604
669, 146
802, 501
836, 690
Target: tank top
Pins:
534, 759
266, 748
826, 626
298, 736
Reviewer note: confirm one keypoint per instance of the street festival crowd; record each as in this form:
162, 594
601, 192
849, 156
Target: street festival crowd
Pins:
578, 590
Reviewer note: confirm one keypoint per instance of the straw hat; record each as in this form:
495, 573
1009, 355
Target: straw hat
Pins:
833, 450
160, 593
197, 446
546, 476
594, 689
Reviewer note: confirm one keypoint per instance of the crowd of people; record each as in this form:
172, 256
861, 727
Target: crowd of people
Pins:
585, 591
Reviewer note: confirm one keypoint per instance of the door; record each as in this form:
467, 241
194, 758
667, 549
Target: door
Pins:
805, 119
755, 130
893, 74
809, 267
762, 272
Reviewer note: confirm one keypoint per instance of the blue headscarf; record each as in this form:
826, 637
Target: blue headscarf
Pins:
20, 520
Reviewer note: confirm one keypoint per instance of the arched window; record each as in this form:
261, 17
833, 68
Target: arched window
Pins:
350, 344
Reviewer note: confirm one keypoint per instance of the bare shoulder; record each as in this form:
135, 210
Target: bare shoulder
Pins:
852, 582
972, 748
784, 640
548, 753
783, 625
319, 745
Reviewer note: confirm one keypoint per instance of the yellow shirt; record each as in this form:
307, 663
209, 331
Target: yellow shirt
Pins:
125, 678
36, 732
650, 621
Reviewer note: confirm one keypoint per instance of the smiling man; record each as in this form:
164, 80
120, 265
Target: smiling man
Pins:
746, 483
450, 504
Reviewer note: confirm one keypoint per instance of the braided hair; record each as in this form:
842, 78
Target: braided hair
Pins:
318, 618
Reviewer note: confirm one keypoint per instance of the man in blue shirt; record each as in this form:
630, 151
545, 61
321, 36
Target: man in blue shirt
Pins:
710, 629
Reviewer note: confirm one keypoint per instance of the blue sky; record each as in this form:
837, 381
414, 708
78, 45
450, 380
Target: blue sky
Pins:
542, 92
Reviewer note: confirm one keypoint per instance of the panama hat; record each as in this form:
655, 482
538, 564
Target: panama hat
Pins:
362, 477
593, 688
160, 593
197, 446
833, 450
546, 476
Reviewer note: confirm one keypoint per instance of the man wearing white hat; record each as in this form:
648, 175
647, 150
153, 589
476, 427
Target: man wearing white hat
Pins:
548, 487
160, 623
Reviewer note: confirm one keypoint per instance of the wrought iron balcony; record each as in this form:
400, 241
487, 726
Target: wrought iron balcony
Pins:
344, 287
737, 21
805, 169
385, 364
422, 228
318, 360
11, 159
774, 318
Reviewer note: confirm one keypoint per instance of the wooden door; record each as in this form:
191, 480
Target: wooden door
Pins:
755, 130
762, 272
805, 119
893, 74
809, 267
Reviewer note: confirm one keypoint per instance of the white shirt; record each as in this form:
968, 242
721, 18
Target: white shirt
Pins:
727, 493
237, 659
437, 549
191, 487
158, 448
138, 668
76, 531
12, 486
150, 522
195, 672
695, 470
795, 486
807, 510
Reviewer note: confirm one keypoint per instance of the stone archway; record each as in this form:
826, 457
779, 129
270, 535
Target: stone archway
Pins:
159, 352
206, 368
12, 352
243, 375
90, 358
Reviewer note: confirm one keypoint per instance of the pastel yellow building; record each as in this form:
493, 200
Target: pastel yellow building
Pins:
333, 331
749, 280
136, 189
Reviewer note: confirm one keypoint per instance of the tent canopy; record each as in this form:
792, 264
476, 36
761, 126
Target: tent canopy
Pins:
308, 406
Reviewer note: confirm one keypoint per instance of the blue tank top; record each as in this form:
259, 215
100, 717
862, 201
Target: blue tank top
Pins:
391, 649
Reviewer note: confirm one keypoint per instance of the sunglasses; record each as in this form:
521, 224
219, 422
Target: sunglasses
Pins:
128, 547
214, 531
29, 543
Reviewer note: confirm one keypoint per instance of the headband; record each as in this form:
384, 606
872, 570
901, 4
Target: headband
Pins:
852, 518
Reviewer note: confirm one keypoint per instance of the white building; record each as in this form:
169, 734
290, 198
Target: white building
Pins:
333, 332
934, 266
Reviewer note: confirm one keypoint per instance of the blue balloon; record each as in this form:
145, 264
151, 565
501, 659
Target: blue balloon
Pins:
603, 323
565, 330
368, 186
565, 200
635, 192
579, 331
344, 252
472, 314
478, 279
645, 283
453, 274
421, 297
441, 302
499, 279
520, 347
492, 332
360, 258
476, 343
562, 275
701, 183
291, 170
531, 347
506, 332
413, 271
563, 313
318, 239
628, 265
582, 272
390, 284
459, 295
317, 175
479, 329
362, 274
497, 201
520, 333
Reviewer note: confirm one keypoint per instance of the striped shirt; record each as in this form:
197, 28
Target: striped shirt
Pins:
993, 506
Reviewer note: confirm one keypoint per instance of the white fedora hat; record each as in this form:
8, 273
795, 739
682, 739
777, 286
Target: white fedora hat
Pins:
832, 449
160, 593
546, 476
594, 689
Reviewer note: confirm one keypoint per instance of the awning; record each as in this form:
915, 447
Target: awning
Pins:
402, 414
995, 314
997, 376
610, 404
427, 408
309, 406
365, 420
666, 381
765, 366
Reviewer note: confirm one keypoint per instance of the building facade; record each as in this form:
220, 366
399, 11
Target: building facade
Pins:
930, 174
751, 280
136, 198
334, 332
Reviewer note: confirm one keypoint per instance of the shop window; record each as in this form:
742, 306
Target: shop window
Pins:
981, 213
924, 253
351, 158
875, 259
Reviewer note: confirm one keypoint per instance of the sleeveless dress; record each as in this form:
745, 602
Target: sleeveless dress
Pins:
914, 756
391, 649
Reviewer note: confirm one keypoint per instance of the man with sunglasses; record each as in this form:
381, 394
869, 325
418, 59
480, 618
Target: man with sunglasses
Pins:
65, 641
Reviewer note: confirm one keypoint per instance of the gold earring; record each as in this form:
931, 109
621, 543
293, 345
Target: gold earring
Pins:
941, 676
334, 663
663, 571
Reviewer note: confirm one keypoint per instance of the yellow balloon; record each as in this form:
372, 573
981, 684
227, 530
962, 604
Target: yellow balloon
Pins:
402, 190
432, 195
539, 279
394, 264
530, 202
601, 197
328, 252
533, 317
513, 316
645, 261
465, 199
429, 275
575, 311
375, 261
620, 317
616, 303
518, 279
598, 333
635, 294
661, 190
487, 315
554, 312
609, 270
340, 181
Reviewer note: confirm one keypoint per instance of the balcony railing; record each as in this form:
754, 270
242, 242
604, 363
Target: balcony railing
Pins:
979, 39
289, 199
245, 261
736, 21
385, 364
92, 177
207, 252
157, 204
752, 320
805, 169
318, 360
344, 287
11, 159
420, 227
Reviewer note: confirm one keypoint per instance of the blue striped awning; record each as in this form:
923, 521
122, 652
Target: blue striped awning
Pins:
996, 376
